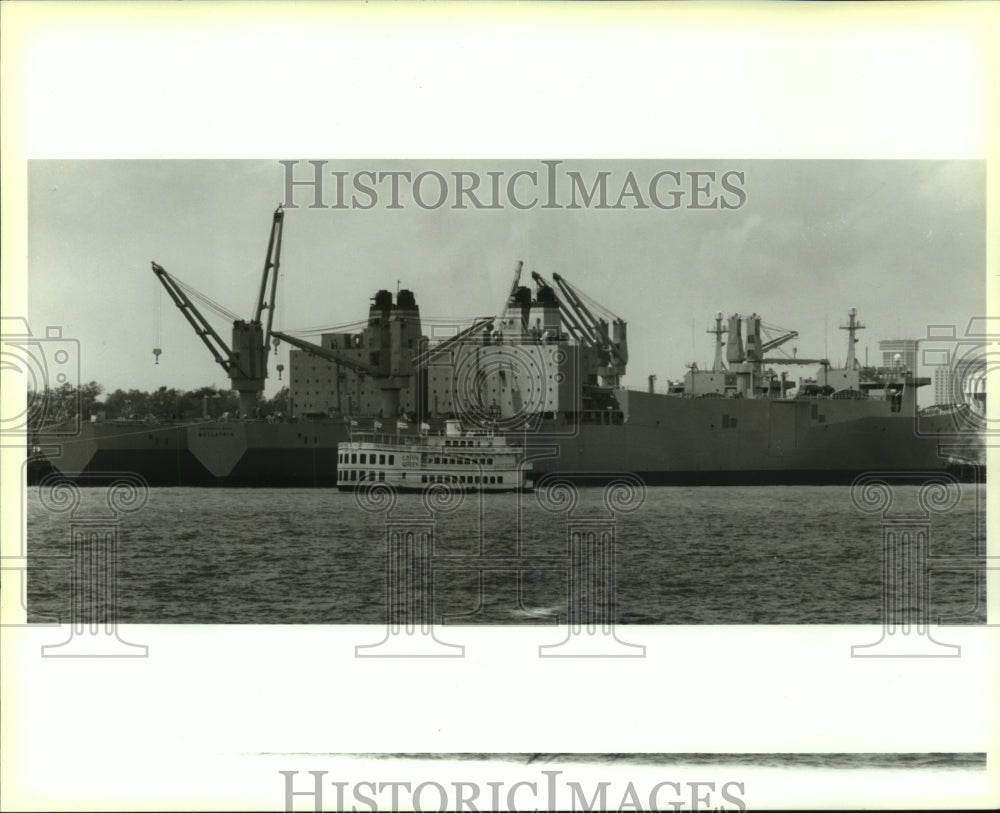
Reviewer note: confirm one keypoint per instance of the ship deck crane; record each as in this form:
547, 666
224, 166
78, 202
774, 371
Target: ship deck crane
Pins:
483, 323
513, 289
613, 351
577, 329
777, 342
786, 360
245, 362
330, 355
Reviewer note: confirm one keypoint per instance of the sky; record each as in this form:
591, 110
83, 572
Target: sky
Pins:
901, 241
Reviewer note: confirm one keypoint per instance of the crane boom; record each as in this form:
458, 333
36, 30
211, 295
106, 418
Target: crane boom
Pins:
329, 355
577, 329
213, 341
765, 346
824, 362
245, 361
426, 357
272, 261
513, 287
598, 326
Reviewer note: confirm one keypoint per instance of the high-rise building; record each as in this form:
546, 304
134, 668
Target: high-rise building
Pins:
906, 349
963, 381
942, 386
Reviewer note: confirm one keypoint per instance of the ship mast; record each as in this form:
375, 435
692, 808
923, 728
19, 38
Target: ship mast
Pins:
718, 366
852, 327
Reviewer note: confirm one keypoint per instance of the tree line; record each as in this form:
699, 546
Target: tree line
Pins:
89, 402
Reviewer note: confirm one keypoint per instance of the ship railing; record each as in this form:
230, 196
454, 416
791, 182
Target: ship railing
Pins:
401, 440
387, 439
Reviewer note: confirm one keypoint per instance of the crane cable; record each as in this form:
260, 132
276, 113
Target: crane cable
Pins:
205, 300
593, 303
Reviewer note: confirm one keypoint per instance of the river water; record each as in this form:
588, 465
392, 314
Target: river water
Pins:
716, 555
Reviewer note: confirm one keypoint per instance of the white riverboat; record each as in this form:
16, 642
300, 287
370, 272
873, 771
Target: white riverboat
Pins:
478, 460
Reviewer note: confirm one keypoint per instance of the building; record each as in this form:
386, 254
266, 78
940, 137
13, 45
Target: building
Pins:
943, 386
962, 381
905, 348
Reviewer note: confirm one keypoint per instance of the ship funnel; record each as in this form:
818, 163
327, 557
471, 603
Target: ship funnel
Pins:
405, 300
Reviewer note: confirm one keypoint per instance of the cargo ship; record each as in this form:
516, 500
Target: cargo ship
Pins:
546, 374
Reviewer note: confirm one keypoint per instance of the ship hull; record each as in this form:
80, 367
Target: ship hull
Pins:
239, 454
663, 440
692, 441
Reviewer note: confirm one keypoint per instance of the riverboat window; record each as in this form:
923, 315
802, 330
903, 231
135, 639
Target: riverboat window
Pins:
371, 475
489, 461
500, 479
354, 474
381, 475
392, 459
354, 458
381, 459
